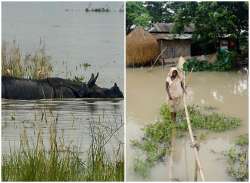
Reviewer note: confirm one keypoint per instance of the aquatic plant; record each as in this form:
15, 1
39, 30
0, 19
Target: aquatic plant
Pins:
237, 158
61, 162
156, 141
34, 66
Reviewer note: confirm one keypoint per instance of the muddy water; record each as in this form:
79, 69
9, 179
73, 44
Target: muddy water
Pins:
73, 124
225, 91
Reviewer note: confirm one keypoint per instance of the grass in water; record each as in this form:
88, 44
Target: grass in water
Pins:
59, 162
237, 158
33, 66
156, 142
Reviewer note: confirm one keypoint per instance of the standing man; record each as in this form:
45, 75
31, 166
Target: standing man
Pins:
175, 90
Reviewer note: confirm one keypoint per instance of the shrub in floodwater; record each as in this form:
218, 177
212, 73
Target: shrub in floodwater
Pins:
237, 158
156, 142
33, 66
61, 162
225, 62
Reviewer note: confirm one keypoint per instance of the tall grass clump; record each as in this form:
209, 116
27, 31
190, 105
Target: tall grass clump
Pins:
156, 141
57, 161
34, 66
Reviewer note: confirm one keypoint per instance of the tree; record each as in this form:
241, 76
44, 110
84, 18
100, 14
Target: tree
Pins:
136, 14
214, 20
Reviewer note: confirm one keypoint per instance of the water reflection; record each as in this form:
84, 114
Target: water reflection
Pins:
74, 117
217, 96
240, 87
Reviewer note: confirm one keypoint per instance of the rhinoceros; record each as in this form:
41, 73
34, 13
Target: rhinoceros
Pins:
30, 89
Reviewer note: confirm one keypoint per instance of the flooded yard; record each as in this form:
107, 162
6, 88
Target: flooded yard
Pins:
223, 92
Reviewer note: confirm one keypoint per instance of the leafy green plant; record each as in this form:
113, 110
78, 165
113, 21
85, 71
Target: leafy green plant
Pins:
237, 158
225, 62
156, 141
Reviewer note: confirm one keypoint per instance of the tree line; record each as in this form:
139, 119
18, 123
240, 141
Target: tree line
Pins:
212, 20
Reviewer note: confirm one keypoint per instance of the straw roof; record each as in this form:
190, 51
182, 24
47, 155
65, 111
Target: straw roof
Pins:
142, 47
168, 27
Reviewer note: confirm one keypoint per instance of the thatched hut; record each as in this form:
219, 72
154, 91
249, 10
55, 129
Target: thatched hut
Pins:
172, 45
142, 48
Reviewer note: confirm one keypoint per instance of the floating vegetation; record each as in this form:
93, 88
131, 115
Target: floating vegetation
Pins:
33, 66
156, 142
86, 65
237, 158
57, 161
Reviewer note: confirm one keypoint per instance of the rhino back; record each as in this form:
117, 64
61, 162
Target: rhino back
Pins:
25, 89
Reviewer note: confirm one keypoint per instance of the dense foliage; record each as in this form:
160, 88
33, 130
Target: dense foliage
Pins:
226, 61
212, 20
137, 15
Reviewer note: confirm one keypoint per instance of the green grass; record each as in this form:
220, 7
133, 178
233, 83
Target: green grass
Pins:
237, 159
156, 142
60, 162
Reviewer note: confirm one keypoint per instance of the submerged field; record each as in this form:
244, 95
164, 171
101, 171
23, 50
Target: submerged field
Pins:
159, 137
215, 92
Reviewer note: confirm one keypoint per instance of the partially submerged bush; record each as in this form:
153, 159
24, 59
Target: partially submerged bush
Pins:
226, 61
156, 142
33, 66
237, 158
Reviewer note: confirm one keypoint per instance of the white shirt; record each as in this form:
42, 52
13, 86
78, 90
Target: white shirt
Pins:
175, 88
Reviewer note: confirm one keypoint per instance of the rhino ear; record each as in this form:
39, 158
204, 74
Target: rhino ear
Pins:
96, 76
92, 80
92, 77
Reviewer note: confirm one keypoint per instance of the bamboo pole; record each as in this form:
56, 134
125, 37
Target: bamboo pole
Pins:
194, 145
170, 174
196, 171
158, 57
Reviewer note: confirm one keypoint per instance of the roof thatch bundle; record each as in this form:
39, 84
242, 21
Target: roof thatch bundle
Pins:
142, 48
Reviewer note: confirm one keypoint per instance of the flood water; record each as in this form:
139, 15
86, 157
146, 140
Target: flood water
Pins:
71, 36
225, 91
73, 124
